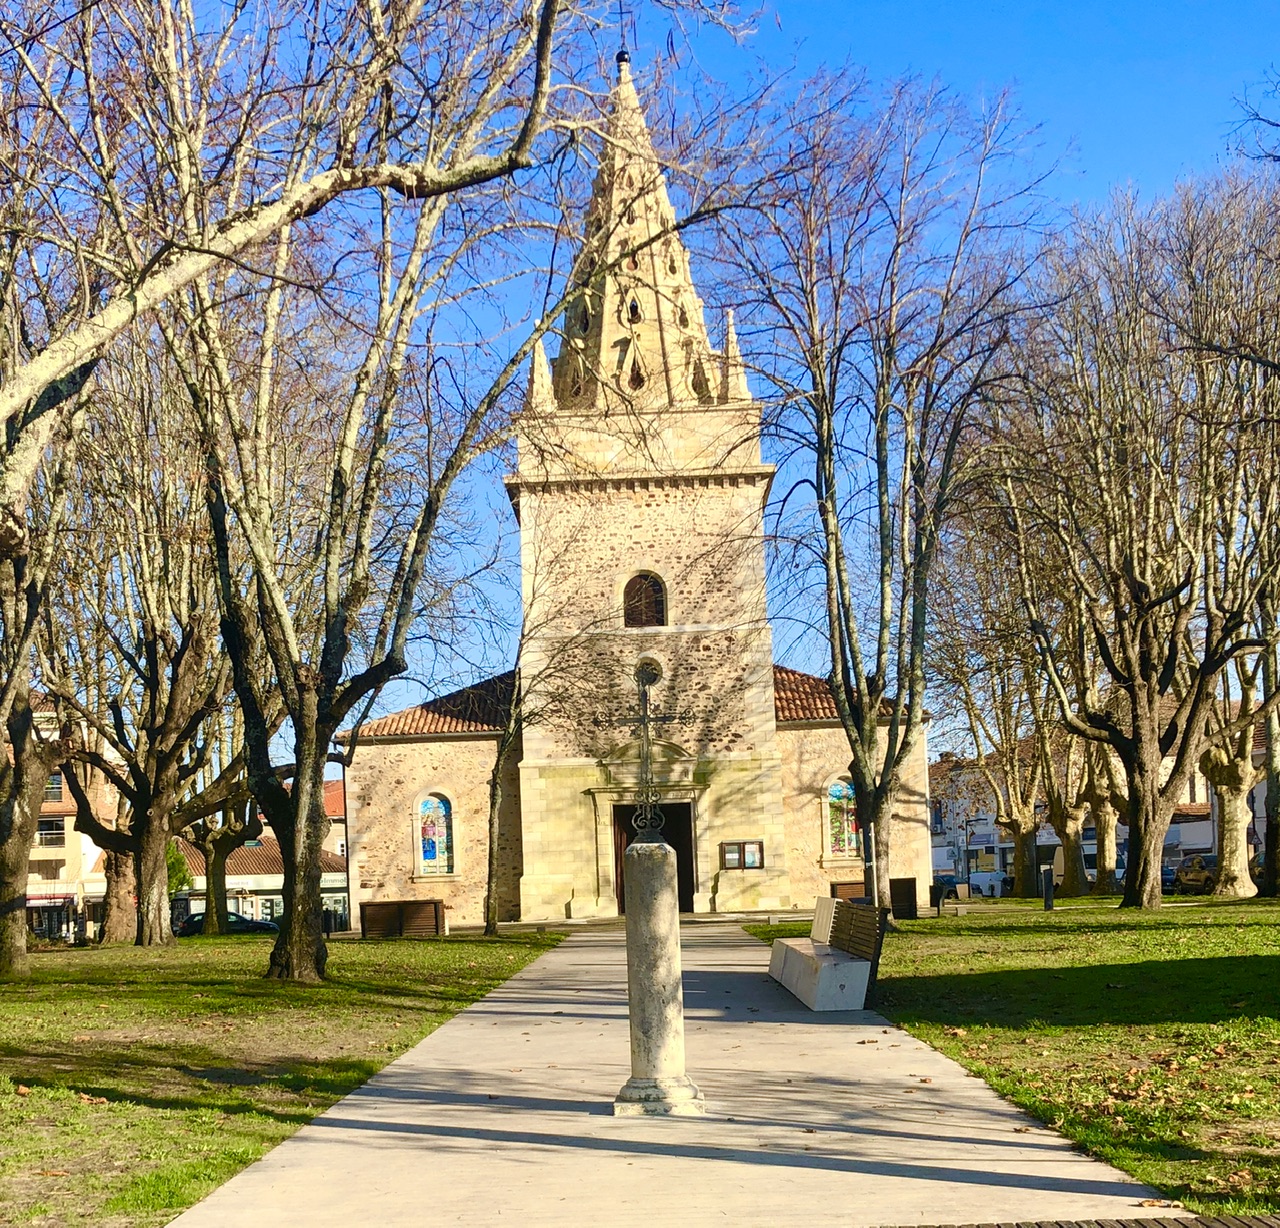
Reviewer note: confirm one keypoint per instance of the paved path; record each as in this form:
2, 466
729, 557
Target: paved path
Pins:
503, 1115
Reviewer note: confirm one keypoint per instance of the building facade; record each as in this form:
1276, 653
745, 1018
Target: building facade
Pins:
640, 493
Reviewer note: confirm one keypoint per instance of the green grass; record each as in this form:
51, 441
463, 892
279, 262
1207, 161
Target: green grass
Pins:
1150, 1039
133, 1082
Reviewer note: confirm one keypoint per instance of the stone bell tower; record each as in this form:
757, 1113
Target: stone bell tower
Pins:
640, 494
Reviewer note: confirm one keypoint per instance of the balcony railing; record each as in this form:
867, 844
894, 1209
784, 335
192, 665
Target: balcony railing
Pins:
51, 839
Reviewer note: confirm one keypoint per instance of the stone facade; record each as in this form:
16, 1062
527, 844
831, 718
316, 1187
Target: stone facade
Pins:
386, 783
639, 465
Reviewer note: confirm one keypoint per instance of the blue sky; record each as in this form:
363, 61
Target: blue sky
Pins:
1126, 90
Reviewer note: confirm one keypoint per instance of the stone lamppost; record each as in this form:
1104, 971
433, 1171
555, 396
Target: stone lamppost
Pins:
655, 996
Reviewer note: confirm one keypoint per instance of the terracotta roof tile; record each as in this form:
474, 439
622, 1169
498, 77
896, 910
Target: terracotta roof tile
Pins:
335, 800
474, 709
260, 859
801, 697
481, 708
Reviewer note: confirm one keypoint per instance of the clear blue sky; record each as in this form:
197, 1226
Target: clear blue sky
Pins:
1126, 90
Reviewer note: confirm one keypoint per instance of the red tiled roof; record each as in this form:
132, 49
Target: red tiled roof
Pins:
801, 697
1191, 810
260, 859
482, 708
335, 800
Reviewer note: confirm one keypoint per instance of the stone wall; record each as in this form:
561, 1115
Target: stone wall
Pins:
384, 785
814, 756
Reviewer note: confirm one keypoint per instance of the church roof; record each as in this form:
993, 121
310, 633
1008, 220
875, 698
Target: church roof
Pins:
482, 708
801, 697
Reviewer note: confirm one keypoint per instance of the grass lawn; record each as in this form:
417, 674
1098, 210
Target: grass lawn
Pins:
1151, 1040
132, 1082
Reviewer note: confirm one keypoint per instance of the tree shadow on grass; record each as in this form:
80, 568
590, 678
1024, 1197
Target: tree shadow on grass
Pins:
1191, 991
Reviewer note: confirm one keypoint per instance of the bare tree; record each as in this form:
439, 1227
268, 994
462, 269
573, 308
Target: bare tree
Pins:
143, 147
1129, 472
877, 290
983, 659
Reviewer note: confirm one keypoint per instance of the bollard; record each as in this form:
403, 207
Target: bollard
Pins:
1046, 879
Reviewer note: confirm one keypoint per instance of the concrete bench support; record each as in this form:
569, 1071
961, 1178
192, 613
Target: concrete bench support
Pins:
822, 977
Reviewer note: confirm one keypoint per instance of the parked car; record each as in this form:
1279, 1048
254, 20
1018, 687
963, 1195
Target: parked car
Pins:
1168, 877
1196, 875
948, 883
1256, 867
236, 924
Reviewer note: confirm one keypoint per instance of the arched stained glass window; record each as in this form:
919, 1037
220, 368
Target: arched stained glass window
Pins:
644, 601
435, 835
844, 838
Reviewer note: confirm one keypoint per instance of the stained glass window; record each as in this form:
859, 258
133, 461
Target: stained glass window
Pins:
842, 822
435, 828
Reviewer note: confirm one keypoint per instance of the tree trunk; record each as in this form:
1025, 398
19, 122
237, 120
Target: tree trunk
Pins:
1075, 876
1234, 817
1148, 826
17, 831
1229, 769
1025, 866
22, 781
1022, 832
300, 953
152, 867
1271, 851
491, 878
216, 852
1104, 822
119, 907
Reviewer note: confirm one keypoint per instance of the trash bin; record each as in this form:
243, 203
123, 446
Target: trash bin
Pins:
902, 898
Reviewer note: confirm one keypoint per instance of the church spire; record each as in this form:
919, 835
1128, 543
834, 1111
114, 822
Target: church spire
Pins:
634, 331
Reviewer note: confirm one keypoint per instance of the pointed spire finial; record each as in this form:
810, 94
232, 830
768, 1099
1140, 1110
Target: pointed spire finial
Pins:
539, 397
733, 382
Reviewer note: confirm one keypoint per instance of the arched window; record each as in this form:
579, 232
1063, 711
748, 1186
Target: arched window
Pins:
843, 837
435, 835
644, 601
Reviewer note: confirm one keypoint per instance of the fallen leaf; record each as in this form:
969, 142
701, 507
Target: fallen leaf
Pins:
955, 1031
22, 1091
1022, 1129
53, 1172
926, 1080
85, 1098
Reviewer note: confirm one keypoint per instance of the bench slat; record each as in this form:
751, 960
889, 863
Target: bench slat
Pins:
858, 929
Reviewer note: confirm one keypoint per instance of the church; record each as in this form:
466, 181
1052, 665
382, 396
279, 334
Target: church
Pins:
640, 495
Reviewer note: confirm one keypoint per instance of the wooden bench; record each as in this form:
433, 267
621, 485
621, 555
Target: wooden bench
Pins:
834, 969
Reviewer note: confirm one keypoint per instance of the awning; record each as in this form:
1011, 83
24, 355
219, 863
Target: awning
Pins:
41, 901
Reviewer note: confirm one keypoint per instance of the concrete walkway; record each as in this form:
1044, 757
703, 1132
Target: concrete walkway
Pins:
503, 1115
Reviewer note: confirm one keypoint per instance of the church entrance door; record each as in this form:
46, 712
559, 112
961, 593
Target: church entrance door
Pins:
677, 830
